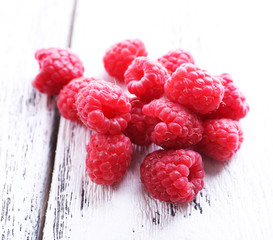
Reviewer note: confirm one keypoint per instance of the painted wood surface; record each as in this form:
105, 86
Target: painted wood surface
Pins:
236, 200
28, 119
223, 36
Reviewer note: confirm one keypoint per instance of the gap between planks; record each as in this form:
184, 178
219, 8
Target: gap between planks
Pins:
54, 136
27, 116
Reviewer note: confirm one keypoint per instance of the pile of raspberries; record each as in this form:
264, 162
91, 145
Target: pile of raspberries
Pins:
176, 105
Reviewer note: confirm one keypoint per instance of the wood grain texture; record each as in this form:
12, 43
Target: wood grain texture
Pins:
28, 119
235, 203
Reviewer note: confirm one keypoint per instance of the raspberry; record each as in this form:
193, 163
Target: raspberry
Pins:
222, 138
173, 59
117, 59
146, 78
140, 126
234, 103
57, 68
108, 157
178, 127
173, 175
194, 88
66, 98
103, 107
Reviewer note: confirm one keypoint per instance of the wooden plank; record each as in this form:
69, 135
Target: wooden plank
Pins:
236, 200
29, 120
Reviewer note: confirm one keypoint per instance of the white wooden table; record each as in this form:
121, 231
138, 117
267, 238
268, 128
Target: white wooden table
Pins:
44, 190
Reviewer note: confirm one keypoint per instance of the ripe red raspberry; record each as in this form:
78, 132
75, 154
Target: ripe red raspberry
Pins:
178, 127
173, 59
146, 78
173, 175
234, 103
108, 157
222, 138
140, 126
66, 98
103, 107
57, 68
194, 88
117, 59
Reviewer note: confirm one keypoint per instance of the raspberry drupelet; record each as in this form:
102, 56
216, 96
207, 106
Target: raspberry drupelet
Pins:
146, 78
57, 68
194, 88
173, 59
222, 138
108, 157
103, 107
233, 105
66, 98
177, 128
173, 175
117, 59
140, 126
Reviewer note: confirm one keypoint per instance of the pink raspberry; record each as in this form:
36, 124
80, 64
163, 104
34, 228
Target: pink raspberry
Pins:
140, 126
177, 128
234, 103
103, 107
66, 98
173, 175
194, 88
57, 68
108, 157
222, 138
173, 59
117, 59
146, 78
